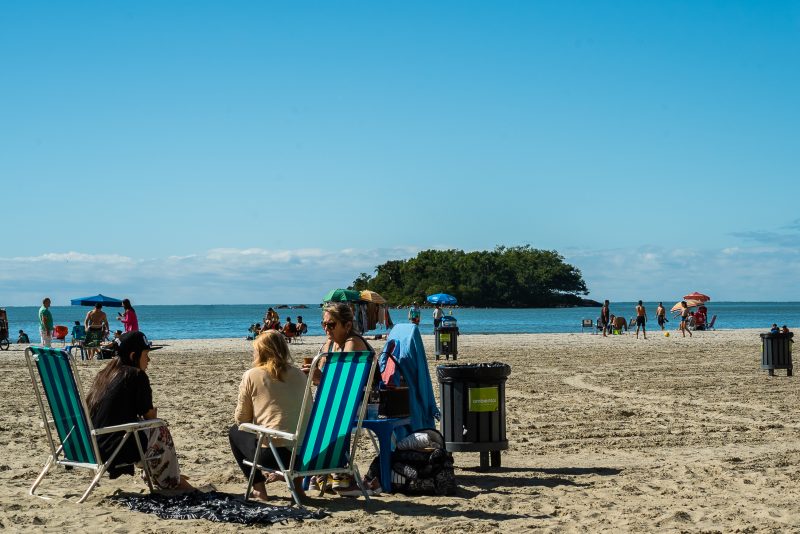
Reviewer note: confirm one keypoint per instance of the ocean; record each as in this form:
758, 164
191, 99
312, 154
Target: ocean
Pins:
224, 321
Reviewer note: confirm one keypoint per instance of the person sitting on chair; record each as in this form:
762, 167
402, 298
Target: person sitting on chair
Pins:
289, 329
23, 338
96, 324
302, 327
270, 395
121, 394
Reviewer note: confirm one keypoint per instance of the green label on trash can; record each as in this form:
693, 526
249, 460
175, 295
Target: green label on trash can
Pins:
483, 399
444, 338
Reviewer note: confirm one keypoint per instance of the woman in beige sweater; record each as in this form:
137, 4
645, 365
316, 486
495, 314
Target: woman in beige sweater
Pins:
270, 395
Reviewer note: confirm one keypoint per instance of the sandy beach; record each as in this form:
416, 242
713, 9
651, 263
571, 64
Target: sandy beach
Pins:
614, 434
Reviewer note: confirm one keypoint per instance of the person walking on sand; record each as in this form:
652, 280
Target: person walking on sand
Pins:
685, 319
661, 315
605, 317
641, 319
46, 323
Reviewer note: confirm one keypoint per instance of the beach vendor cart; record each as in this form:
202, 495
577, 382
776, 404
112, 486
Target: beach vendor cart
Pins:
4, 341
445, 336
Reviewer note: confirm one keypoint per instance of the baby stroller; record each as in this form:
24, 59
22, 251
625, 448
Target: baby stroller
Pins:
4, 341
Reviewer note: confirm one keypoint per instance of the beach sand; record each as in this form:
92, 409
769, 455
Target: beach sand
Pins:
614, 434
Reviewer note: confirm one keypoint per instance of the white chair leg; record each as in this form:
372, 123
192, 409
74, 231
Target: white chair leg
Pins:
253, 467
145, 464
47, 465
95, 480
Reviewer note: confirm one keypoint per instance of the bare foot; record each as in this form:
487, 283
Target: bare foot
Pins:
184, 484
275, 477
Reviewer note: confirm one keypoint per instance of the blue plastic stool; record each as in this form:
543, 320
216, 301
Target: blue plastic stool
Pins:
383, 430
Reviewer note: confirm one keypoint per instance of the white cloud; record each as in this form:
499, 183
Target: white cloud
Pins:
255, 275
740, 273
223, 275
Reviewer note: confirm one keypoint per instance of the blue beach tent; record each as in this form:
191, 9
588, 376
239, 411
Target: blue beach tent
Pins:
97, 299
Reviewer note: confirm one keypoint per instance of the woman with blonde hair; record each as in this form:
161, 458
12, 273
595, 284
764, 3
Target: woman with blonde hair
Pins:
270, 395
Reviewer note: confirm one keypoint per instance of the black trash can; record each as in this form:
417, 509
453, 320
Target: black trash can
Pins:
446, 338
776, 352
473, 398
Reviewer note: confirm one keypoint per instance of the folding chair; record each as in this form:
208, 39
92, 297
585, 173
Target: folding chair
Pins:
75, 441
339, 406
587, 323
710, 325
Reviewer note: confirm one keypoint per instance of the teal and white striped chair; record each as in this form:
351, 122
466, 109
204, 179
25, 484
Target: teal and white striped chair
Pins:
339, 407
74, 442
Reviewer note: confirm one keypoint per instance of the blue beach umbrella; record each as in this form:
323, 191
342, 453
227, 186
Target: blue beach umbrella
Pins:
97, 299
442, 298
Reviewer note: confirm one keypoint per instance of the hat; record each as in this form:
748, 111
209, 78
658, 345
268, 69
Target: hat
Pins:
133, 342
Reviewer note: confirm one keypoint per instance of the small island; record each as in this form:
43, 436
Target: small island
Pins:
506, 277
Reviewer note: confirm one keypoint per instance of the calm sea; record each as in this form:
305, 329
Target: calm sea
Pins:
220, 321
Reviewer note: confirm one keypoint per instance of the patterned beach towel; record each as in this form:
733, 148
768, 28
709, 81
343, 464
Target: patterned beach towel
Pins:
213, 506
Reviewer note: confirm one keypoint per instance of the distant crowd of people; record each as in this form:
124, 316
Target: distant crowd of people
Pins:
272, 321
92, 335
609, 323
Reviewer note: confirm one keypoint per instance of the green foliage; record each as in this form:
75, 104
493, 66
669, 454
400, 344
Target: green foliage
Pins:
514, 277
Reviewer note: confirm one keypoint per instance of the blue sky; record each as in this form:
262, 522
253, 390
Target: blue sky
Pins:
238, 152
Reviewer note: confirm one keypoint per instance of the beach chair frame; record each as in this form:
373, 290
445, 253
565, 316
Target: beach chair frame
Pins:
321, 423
54, 376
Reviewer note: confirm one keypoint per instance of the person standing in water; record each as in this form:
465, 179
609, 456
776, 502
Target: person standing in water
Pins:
641, 319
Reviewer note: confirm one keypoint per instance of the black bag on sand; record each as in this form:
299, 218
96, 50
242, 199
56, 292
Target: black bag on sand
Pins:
420, 471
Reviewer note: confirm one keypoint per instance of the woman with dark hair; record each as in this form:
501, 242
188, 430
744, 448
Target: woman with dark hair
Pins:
129, 319
270, 395
121, 394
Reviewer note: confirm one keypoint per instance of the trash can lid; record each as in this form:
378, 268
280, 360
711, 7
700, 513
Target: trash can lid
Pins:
475, 372
779, 335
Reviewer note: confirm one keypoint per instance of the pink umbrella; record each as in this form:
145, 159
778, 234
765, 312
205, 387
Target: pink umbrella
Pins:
697, 296
689, 304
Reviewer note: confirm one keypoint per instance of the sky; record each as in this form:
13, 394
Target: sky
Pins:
179, 152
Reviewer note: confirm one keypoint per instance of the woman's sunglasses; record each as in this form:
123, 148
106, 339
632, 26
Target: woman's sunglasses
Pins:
331, 325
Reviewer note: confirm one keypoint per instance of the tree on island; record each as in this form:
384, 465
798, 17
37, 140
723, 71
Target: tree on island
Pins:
507, 277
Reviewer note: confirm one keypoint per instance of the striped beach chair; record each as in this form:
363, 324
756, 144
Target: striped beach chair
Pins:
338, 411
70, 435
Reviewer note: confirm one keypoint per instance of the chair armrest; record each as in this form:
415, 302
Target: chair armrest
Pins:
139, 425
256, 429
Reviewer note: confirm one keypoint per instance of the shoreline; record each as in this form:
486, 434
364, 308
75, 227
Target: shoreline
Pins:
605, 434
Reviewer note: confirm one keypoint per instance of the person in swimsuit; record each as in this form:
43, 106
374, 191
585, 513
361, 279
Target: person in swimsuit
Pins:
97, 328
641, 319
338, 324
685, 319
661, 315
605, 317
